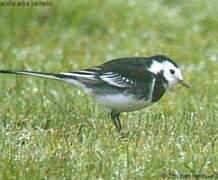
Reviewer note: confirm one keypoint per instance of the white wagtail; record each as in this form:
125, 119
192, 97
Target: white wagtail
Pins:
122, 85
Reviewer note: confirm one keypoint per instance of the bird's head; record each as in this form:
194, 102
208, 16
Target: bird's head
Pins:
168, 69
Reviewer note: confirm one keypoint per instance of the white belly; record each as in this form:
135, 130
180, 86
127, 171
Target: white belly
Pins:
122, 103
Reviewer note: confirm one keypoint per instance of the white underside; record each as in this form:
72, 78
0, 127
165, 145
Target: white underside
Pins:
119, 102
122, 103
79, 85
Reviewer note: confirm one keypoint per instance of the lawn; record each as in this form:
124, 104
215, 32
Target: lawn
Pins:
49, 130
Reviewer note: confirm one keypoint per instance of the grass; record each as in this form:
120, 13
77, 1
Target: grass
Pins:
49, 130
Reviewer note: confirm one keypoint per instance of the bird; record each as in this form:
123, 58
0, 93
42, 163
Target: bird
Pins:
123, 84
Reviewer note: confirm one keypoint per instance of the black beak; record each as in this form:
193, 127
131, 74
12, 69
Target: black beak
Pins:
182, 82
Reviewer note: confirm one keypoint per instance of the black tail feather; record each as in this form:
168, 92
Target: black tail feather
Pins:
32, 73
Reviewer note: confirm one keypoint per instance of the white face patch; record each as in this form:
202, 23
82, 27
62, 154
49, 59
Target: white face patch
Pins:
156, 67
170, 72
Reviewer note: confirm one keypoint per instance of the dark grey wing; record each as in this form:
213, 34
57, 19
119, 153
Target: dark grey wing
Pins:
118, 72
132, 75
96, 76
129, 75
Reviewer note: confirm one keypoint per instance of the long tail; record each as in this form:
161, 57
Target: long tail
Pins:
79, 79
32, 73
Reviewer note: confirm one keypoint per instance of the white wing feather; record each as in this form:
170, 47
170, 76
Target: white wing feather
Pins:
116, 80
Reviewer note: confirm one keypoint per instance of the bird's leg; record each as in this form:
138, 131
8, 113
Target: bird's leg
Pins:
116, 119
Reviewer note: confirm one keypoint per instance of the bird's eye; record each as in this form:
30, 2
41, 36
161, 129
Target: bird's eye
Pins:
172, 71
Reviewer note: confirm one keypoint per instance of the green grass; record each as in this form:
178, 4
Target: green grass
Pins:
49, 130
